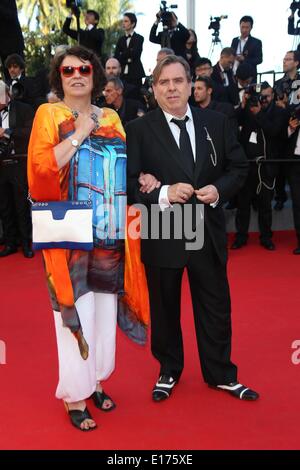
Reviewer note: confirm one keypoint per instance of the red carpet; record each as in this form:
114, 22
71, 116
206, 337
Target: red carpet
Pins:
265, 289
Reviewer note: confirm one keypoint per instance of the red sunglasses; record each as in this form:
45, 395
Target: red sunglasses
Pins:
69, 70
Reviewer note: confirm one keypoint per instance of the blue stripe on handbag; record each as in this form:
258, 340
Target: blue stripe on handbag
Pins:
62, 224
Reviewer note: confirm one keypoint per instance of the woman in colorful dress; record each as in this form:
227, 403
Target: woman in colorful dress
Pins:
76, 152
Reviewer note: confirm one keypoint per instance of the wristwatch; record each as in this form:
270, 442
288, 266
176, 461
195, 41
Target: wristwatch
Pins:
74, 142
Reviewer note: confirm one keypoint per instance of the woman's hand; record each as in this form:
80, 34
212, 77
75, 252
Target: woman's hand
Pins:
84, 125
148, 182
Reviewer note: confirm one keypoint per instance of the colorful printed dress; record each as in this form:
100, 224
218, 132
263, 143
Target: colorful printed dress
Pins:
99, 169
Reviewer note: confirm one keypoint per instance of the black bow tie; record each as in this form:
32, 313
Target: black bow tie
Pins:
128, 36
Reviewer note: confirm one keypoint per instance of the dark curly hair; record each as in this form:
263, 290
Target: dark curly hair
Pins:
99, 79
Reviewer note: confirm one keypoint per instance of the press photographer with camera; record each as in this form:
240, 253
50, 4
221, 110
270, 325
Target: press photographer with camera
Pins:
247, 48
11, 37
293, 170
263, 127
92, 37
15, 127
287, 88
174, 34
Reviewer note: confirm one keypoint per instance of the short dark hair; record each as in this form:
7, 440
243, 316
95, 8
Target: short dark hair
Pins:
93, 12
116, 81
81, 52
203, 61
295, 54
168, 60
265, 85
132, 17
247, 19
206, 80
14, 59
227, 51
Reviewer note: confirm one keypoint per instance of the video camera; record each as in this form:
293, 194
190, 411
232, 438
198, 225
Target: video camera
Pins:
17, 91
295, 6
6, 144
75, 6
166, 14
215, 22
253, 90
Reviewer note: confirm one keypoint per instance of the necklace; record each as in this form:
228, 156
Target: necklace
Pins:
93, 116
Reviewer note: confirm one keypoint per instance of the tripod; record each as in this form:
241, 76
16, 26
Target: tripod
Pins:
215, 42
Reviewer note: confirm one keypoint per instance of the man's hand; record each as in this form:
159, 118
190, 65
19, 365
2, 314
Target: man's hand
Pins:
240, 58
208, 194
293, 124
180, 192
2, 131
148, 183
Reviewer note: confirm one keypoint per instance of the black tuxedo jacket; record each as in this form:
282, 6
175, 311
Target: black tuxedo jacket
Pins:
92, 39
131, 56
11, 38
20, 122
252, 51
151, 148
228, 94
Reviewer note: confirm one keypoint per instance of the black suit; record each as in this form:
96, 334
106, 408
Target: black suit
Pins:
176, 40
11, 37
92, 39
131, 56
129, 110
252, 51
151, 148
14, 206
227, 94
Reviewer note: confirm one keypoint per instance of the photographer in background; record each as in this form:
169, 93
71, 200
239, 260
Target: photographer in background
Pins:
126, 108
286, 91
92, 37
247, 48
128, 51
293, 170
174, 35
263, 126
15, 127
11, 37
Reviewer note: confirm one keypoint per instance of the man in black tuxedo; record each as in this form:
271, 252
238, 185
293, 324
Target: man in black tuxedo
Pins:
92, 37
197, 161
128, 51
174, 37
203, 89
247, 48
15, 126
126, 108
11, 37
222, 76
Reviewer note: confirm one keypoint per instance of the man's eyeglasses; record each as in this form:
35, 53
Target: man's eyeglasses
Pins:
69, 70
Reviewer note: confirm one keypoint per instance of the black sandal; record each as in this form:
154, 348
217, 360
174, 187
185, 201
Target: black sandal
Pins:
77, 417
99, 399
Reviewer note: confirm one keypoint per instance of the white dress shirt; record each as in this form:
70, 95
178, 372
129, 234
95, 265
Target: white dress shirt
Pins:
163, 199
128, 39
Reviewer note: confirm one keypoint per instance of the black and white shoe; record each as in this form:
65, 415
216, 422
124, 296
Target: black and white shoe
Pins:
238, 390
163, 388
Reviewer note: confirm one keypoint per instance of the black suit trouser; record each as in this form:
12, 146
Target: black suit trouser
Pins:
14, 206
264, 204
212, 317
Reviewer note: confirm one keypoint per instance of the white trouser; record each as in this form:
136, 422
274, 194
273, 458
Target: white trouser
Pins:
78, 377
